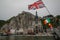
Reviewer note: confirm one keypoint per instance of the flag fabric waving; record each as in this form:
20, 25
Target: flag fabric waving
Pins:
36, 5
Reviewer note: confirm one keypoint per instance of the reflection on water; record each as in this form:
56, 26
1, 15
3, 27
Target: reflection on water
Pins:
26, 37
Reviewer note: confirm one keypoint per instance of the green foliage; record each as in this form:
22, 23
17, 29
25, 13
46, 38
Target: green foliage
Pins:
2, 22
58, 16
8, 21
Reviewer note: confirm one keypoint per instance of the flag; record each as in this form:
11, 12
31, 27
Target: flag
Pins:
45, 22
50, 25
36, 5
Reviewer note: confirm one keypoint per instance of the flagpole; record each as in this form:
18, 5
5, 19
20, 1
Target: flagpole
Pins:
47, 10
36, 16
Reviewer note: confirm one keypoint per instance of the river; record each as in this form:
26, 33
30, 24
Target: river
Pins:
17, 37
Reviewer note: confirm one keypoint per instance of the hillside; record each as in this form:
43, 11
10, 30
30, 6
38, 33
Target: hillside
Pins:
23, 19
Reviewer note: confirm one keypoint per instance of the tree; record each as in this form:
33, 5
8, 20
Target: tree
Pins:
57, 20
2, 22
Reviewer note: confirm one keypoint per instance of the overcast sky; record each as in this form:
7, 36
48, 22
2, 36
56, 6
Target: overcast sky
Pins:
10, 8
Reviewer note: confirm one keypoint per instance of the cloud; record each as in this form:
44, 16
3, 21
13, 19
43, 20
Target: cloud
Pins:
9, 8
